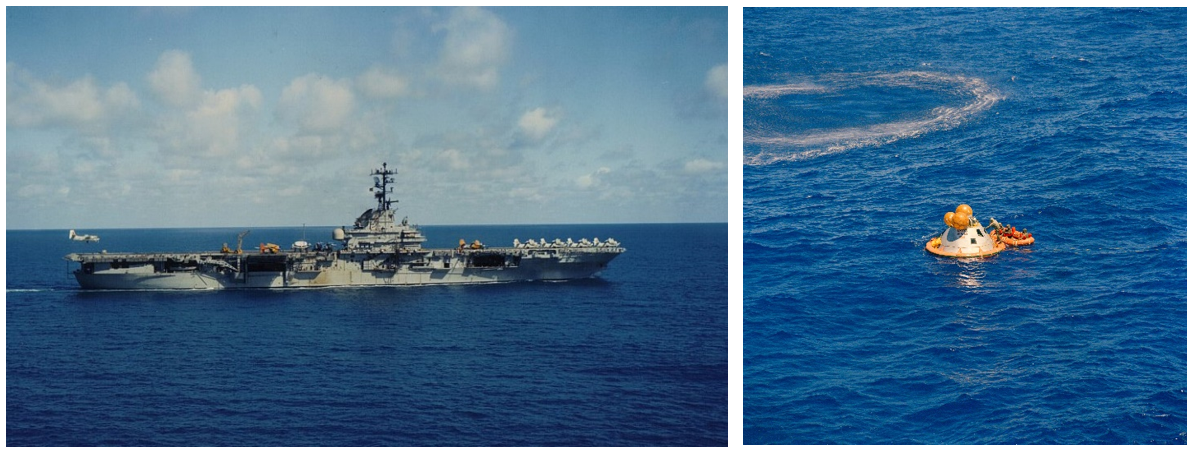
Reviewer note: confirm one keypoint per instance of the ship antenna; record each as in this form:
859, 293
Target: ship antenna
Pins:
381, 189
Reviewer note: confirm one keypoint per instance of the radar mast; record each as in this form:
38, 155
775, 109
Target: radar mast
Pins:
381, 189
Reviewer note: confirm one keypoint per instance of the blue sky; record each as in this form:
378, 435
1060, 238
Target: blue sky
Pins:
181, 117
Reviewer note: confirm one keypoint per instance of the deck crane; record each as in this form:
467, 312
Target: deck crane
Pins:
239, 242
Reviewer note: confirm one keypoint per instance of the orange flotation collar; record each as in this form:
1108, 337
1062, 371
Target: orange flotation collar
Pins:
933, 247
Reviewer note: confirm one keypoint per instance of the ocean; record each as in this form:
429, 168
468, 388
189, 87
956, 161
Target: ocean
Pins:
864, 126
635, 357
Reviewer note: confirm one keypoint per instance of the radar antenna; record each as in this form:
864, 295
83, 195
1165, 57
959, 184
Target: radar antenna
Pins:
381, 189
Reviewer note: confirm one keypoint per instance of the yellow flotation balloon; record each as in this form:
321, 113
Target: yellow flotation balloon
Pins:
964, 210
960, 221
948, 218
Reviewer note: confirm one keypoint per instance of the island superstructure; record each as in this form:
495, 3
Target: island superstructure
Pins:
377, 250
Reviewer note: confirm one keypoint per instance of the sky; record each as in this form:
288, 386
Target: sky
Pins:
232, 117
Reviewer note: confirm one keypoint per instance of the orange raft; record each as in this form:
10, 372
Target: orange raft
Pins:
1012, 237
1016, 242
933, 247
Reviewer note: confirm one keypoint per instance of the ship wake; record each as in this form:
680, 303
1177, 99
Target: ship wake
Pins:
773, 147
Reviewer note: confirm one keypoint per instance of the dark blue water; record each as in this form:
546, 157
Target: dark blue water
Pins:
635, 357
863, 127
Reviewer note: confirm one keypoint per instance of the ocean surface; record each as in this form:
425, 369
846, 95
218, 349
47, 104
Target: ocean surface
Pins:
635, 357
864, 126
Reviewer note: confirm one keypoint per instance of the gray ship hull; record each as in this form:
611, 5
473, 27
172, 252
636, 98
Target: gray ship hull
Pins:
196, 271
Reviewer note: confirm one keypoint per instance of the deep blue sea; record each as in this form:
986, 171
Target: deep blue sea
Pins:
636, 357
864, 126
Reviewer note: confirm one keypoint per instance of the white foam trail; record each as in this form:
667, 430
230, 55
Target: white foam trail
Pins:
772, 91
838, 140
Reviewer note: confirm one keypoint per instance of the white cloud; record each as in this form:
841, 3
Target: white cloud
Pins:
216, 123
96, 146
709, 101
378, 83
526, 193
174, 79
717, 82
536, 123
317, 104
453, 159
475, 45
592, 179
122, 98
202, 123
214, 127
301, 147
34, 190
702, 166
79, 103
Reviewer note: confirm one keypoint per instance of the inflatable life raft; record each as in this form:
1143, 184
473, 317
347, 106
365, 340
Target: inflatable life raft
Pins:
1017, 242
964, 238
1012, 237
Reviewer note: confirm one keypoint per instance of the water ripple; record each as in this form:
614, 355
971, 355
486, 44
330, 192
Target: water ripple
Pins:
780, 147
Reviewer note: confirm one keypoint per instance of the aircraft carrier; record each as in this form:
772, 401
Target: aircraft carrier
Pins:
376, 251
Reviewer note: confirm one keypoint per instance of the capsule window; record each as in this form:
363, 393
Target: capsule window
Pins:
973, 241
979, 232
